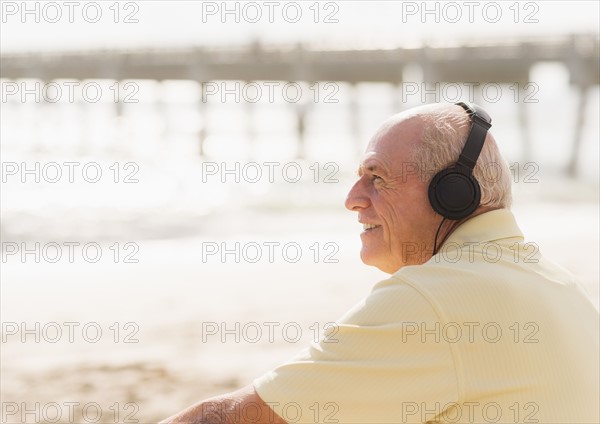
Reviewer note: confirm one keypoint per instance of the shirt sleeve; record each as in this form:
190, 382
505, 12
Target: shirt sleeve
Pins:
382, 363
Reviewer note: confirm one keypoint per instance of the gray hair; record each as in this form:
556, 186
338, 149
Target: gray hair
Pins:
444, 135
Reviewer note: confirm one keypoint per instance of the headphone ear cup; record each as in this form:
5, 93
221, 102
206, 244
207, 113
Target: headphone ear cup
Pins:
454, 193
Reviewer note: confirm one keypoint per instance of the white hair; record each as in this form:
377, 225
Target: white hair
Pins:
443, 138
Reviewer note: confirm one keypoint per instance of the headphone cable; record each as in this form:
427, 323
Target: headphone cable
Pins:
437, 233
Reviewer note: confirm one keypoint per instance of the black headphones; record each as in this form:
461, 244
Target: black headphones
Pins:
454, 192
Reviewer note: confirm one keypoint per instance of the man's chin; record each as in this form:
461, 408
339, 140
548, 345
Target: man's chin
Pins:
370, 258
366, 256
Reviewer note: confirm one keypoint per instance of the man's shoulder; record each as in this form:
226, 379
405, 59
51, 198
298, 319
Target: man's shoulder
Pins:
472, 287
390, 300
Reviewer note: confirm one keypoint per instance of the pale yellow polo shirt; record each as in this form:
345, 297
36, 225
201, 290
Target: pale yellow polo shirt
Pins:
487, 331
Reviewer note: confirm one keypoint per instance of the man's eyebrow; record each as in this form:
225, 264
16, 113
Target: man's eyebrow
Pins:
372, 168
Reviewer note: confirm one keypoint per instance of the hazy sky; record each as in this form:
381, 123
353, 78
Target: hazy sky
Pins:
82, 24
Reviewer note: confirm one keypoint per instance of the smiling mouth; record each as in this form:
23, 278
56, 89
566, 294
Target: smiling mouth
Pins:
370, 227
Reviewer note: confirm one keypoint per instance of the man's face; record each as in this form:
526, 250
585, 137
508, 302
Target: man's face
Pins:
391, 199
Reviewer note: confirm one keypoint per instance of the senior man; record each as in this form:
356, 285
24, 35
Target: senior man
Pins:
473, 325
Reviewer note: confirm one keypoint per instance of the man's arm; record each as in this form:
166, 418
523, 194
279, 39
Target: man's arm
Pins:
243, 406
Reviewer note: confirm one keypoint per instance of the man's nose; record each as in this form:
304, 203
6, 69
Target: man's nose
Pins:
357, 197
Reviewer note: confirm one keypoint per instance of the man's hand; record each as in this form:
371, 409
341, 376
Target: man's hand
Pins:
240, 407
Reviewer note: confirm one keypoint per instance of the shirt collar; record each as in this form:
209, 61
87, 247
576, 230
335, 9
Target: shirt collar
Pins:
489, 226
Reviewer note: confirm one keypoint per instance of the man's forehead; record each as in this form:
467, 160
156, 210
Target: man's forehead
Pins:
374, 163
385, 157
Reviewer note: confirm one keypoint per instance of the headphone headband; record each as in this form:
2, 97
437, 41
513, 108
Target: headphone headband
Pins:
480, 124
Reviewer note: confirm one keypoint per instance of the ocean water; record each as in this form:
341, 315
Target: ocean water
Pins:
148, 152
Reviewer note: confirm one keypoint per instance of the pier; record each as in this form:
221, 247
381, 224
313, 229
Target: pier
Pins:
506, 61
